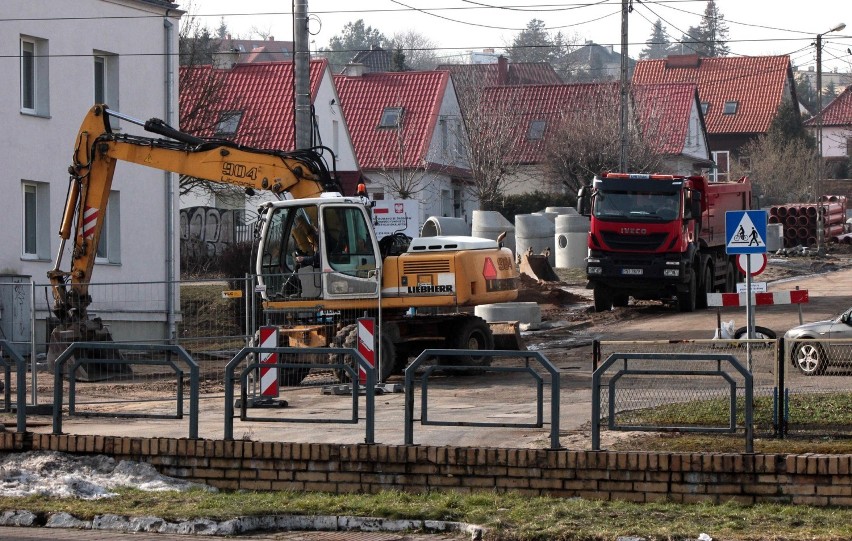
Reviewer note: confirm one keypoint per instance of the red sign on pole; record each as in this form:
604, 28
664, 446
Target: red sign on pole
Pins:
758, 263
366, 345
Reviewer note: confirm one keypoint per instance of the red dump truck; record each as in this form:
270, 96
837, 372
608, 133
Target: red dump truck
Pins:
659, 237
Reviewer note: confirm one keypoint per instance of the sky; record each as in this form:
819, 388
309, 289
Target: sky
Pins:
755, 27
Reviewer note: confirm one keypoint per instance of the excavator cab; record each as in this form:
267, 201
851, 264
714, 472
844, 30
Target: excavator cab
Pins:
318, 249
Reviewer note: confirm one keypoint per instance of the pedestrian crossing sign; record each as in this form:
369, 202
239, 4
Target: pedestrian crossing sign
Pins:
745, 232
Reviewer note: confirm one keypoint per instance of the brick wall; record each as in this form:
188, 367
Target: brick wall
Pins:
633, 476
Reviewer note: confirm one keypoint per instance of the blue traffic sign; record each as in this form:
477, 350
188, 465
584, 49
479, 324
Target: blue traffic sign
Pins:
745, 232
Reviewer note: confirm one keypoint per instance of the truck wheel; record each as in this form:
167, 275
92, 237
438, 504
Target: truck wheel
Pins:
730, 279
705, 288
473, 334
686, 299
347, 337
603, 299
620, 300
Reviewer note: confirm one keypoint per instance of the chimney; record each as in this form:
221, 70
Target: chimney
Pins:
271, 38
226, 60
354, 70
502, 70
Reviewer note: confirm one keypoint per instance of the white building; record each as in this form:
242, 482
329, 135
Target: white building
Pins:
60, 59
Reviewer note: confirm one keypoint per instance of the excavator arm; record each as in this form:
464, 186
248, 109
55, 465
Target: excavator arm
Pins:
301, 173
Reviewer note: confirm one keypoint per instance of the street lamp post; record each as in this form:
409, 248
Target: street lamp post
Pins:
820, 218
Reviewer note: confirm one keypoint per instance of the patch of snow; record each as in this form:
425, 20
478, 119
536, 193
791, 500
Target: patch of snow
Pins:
61, 475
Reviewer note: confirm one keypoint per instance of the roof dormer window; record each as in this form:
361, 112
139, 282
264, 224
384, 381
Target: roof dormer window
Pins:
391, 117
730, 107
228, 122
536, 130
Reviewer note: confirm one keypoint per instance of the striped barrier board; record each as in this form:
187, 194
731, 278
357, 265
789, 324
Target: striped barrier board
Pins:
366, 345
798, 296
268, 376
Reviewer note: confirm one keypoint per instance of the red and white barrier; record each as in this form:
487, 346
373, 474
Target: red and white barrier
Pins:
366, 345
268, 376
798, 296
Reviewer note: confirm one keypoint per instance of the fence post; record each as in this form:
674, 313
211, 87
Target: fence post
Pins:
781, 383
34, 376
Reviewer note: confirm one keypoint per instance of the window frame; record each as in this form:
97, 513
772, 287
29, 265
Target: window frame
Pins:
34, 89
108, 250
535, 129
35, 220
391, 118
715, 174
731, 107
226, 120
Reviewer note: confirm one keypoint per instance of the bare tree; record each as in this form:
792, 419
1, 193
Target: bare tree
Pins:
400, 179
419, 50
487, 134
587, 141
781, 170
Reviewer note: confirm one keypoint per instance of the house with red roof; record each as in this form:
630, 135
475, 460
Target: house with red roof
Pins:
836, 132
503, 73
407, 130
739, 96
668, 116
252, 104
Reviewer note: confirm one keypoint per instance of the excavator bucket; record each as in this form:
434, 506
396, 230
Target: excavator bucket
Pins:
507, 335
64, 335
538, 267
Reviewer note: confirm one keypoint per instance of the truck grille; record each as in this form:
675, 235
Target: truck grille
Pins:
426, 267
644, 243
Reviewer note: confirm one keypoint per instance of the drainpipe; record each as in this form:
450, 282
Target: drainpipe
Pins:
168, 177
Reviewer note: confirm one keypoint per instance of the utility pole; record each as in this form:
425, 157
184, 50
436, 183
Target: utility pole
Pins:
301, 76
625, 9
820, 229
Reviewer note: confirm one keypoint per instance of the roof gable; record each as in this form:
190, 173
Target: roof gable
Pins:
261, 92
364, 99
838, 112
756, 84
664, 111
505, 73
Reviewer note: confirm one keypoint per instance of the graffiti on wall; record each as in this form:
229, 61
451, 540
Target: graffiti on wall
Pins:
206, 231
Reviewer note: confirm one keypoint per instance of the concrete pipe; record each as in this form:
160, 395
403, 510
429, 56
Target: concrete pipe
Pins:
572, 241
526, 313
535, 232
444, 225
488, 224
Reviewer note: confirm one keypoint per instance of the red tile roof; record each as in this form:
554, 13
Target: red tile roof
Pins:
262, 91
521, 73
364, 98
756, 83
550, 103
663, 111
838, 112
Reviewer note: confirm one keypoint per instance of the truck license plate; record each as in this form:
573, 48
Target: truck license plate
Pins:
631, 271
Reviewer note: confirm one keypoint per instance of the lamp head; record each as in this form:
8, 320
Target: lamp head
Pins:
838, 28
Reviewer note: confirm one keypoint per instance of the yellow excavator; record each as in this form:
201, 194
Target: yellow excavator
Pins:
318, 261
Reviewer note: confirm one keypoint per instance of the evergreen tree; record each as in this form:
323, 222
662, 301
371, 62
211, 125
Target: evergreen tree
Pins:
532, 44
398, 59
806, 93
658, 45
222, 29
713, 32
354, 37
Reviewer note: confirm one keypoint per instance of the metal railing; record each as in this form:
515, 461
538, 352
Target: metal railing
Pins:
619, 375
21, 383
307, 358
429, 355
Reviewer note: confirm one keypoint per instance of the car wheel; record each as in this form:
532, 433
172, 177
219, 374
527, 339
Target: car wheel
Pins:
809, 358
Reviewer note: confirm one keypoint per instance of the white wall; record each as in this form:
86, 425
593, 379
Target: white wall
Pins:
834, 141
39, 148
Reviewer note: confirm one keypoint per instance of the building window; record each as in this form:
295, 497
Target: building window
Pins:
109, 245
705, 106
730, 107
36, 222
391, 117
723, 169
536, 130
229, 122
34, 76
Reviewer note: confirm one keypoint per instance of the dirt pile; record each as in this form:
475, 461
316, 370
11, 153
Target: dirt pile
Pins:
541, 292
